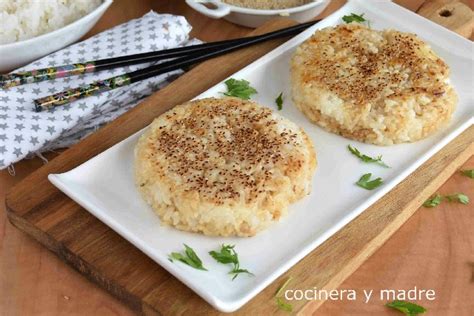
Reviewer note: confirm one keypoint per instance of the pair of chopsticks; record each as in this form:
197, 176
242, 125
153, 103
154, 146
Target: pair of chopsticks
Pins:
182, 57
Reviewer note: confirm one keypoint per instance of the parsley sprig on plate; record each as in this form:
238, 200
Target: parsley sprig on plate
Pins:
358, 18
228, 255
407, 308
367, 159
239, 89
366, 183
279, 101
189, 257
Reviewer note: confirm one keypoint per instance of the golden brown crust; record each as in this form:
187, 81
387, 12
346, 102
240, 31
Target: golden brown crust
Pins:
223, 166
381, 87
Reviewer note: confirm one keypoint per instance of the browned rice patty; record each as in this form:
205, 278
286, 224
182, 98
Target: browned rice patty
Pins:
380, 87
224, 167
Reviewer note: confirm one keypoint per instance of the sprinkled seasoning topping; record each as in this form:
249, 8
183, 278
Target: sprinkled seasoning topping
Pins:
369, 67
225, 152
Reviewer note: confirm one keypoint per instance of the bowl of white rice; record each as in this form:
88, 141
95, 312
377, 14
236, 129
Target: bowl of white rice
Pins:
30, 29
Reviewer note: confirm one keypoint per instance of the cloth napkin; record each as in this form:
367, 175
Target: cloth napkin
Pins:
24, 132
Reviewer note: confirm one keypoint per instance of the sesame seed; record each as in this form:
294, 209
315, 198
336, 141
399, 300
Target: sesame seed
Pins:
224, 152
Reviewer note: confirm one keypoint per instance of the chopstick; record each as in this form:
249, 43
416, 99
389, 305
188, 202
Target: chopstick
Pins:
198, 55
43, 74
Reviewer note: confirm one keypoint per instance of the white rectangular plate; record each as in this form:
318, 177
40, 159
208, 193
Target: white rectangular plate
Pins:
105, 186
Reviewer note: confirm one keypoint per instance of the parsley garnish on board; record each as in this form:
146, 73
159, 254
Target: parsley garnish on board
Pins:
279, 101
433, 201
438, 198
287, 307
189, 257
458, 197
407, 308
228, 255
468, 173
358, 18
366, 183
280, 301
239, 89
366, 158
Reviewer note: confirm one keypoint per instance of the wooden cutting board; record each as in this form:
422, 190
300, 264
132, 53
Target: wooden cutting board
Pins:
42, 211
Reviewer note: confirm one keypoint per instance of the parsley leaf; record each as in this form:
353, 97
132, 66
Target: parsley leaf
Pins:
189, 257
279, 101
364, 182
228, 255
359, 18
468, 173
407, 308
279, 300
287, 307
237, 271
239, 88
437, 199
366, 158
459, 197
433, 201
282, 287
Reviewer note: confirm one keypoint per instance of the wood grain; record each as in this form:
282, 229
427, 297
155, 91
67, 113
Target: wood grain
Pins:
432, 250
453, 15
33, 281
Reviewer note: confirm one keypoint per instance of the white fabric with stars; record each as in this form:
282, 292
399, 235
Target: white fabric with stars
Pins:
24, 132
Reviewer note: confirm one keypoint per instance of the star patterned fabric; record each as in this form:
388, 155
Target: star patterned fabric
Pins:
24, 132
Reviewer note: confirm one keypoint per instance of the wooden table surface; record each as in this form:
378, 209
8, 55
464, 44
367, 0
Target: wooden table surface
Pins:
433, 250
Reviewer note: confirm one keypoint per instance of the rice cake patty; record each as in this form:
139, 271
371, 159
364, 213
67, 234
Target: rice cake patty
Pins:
224, 167
380, 87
